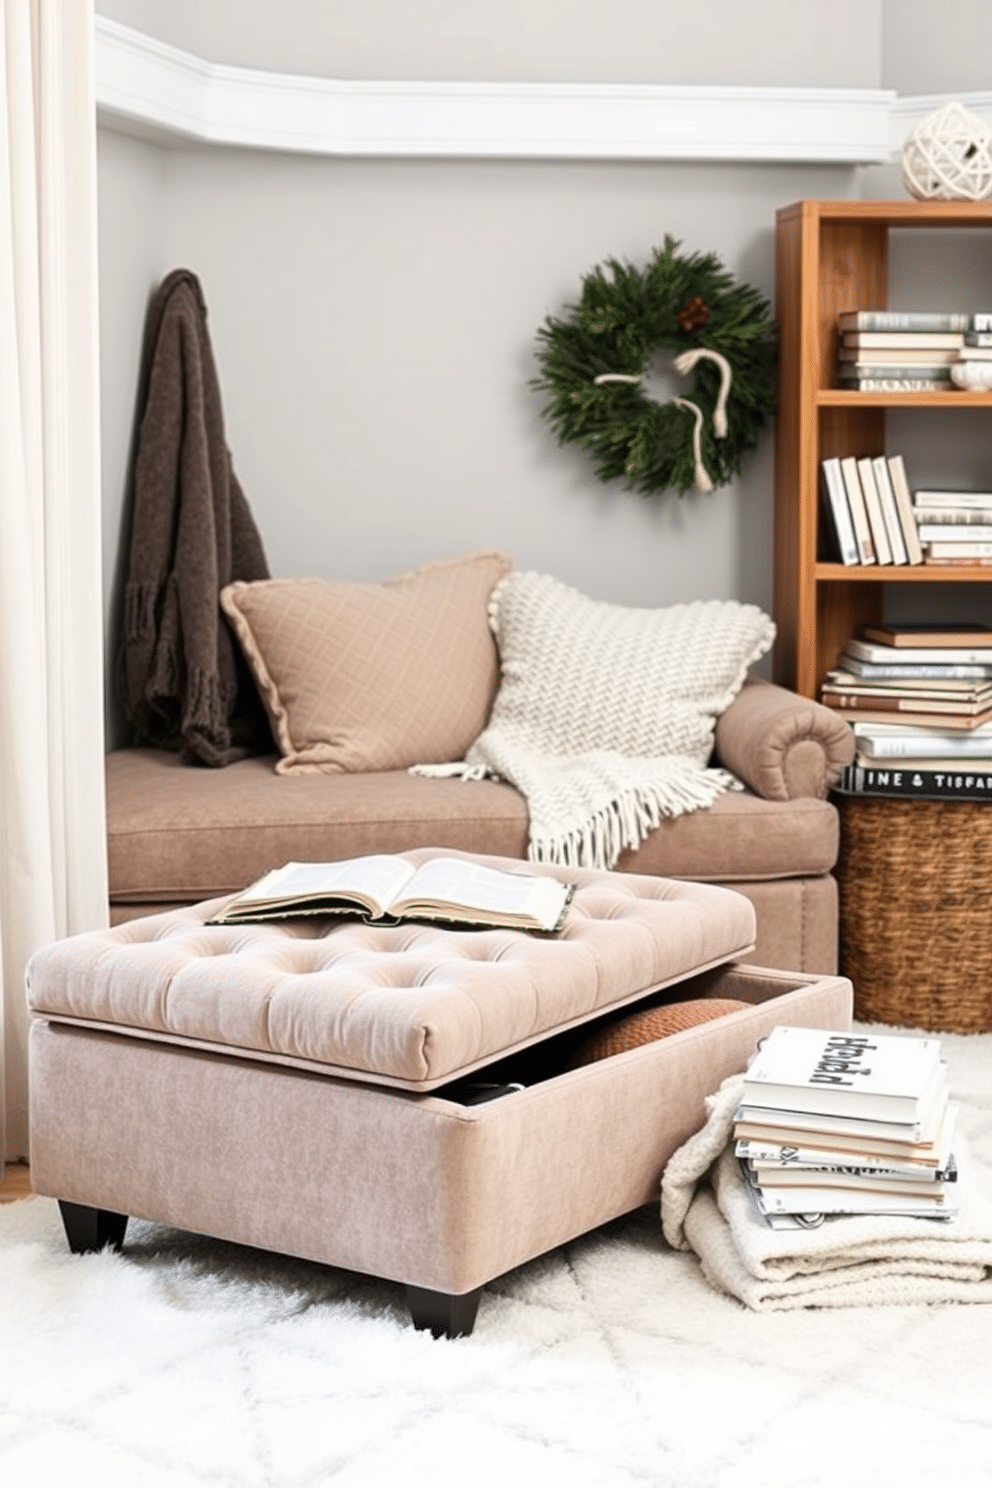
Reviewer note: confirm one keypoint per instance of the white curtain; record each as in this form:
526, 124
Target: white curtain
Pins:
53, 877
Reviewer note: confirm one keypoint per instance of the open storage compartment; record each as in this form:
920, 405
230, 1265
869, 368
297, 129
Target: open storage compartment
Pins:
418, 1188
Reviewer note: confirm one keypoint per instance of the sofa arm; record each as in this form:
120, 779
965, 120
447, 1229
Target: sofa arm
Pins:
782, 746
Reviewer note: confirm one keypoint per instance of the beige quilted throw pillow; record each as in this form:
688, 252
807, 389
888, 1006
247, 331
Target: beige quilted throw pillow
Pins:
605, 715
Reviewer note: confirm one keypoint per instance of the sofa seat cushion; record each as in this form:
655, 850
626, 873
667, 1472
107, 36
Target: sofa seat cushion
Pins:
179, 834
410, 1004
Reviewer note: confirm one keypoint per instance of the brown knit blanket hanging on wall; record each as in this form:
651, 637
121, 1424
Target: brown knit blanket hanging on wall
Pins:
181, 679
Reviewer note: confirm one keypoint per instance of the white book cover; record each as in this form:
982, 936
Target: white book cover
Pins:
959, 549
852, 1201
878, 652
812, 1149
972, 499
925, 744
904, 506
949, 532
859, 514
840, 513
887, 498
876, 519
881, 1076
893, 340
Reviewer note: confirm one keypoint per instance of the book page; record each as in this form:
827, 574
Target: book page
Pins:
377, 879
451, 881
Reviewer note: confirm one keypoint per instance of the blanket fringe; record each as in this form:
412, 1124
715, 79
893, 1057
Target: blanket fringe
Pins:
625, 821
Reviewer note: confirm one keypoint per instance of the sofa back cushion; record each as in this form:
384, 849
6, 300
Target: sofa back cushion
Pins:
362, 677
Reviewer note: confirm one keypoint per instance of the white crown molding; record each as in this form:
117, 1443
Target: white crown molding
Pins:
148, 88
908, 112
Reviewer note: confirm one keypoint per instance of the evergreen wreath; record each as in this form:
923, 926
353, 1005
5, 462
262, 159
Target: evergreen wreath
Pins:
594, 359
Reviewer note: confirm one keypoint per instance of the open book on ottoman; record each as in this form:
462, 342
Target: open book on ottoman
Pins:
386, 889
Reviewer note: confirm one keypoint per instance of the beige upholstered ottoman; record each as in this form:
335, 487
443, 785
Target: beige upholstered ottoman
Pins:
309, 1087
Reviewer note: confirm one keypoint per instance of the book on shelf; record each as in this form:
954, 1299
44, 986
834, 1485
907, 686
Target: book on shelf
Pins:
981, 320
912, 359
904, 506
928, 634
863, 539
882, 1077
385, 889
854, 472
880, 652
966, 783
902, 340
953, 688
981, 500
838, 512
940, 562
894, 384
978, 338
972, 352
918, 717
955, 548
904, 320
890, 512
914, 670
953, 516
980, 764
895, 741
877, 701
954, 532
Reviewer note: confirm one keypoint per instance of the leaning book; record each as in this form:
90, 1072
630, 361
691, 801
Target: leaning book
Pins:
385, 889
880, 1076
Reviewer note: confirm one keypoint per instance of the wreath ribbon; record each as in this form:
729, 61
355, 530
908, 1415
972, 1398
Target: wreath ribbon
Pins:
685, 363
703, 482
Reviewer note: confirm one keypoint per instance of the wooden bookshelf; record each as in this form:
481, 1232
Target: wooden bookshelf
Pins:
834, 256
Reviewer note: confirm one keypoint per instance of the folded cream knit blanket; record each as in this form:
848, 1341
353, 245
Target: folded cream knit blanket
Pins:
850, 1261
605, 715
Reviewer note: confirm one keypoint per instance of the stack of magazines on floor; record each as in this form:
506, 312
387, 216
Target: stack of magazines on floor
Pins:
919, 698
836, 1123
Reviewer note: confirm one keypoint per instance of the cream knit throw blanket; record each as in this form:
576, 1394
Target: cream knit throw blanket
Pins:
851, 1261
604, 718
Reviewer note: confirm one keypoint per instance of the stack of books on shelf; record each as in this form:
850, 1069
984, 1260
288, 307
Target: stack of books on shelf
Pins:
919, 698
836, 1123
896, 351
870, 511
954, 528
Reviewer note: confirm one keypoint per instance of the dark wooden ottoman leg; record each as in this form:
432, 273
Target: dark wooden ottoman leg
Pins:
446, 1316
89, 1229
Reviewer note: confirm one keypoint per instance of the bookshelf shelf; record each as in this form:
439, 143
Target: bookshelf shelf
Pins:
833, 256
841, 398
839, 573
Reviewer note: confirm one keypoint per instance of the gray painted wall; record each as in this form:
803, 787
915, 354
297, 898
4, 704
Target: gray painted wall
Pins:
374, 321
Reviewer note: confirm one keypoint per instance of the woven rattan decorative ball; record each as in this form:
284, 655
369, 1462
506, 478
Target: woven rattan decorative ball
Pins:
948, 157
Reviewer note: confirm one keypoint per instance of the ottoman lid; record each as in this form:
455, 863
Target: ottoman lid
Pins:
412, 1005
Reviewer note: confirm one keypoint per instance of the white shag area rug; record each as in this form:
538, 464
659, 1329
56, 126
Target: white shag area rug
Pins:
611, 1363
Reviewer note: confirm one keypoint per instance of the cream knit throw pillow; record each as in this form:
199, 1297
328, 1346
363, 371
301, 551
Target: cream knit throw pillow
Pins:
604, 717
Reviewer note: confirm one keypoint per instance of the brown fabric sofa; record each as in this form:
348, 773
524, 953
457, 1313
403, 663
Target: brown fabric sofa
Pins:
178, 834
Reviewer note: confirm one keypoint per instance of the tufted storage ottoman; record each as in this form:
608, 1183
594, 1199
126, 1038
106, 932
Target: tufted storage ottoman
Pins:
308, 1087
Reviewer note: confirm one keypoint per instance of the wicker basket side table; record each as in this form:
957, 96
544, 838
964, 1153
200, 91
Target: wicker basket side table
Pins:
916, 911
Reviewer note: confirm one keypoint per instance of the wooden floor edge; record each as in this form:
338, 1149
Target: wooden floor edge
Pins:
16, 1183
